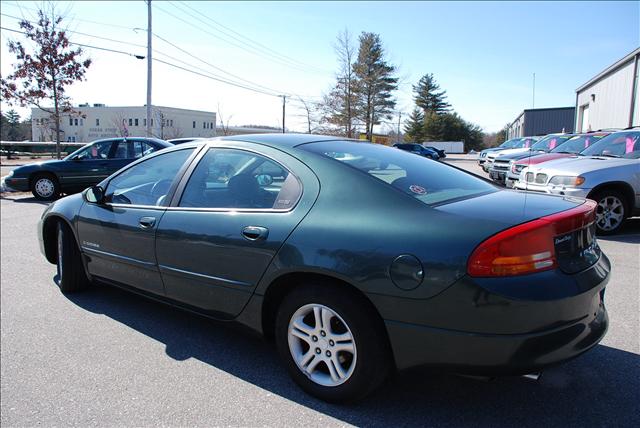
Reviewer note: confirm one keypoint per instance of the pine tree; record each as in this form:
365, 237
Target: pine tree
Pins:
429, 97
414, 127
13, 124
375, 82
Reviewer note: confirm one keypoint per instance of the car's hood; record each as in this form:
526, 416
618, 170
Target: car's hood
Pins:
520, 154
37, 165
493, 149
545, 157
577, 165
508, 152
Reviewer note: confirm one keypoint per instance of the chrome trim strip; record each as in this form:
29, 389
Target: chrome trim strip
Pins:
201, 275
228, 210
117, 256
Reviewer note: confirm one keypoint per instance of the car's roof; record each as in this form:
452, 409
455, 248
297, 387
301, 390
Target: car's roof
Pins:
278, 141
155, 140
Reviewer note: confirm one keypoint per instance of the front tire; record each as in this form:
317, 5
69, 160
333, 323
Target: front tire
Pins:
71, 274
610, 212
45, 187
333, 344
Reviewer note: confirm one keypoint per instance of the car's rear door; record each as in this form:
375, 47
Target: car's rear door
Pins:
233, 211
118, 236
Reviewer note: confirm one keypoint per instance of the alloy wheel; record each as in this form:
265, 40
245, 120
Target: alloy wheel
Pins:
322, 345
609, 213
44, 187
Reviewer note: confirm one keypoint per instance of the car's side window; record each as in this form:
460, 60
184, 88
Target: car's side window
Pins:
141, 149
122, 150
95, 151
147, 183
237, 179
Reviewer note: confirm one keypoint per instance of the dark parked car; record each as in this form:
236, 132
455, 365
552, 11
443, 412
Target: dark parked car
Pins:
356, 258
83, 168
441, 153
418, 149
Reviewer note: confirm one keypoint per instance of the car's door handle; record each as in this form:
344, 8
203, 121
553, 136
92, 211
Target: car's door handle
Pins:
147, 222
255, 233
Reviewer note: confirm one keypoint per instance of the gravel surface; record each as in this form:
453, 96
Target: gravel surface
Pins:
109, 358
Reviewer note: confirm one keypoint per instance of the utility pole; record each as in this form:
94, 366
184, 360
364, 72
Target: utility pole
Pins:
399, 118
284, 103
533, 104
149, 68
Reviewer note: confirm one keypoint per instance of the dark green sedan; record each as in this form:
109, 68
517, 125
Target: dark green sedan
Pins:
83, 168
356, 259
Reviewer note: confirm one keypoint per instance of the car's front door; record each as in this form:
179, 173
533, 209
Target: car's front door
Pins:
88, 166
238, 206
118, 235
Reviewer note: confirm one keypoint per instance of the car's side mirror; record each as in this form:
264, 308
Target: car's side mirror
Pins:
94, 195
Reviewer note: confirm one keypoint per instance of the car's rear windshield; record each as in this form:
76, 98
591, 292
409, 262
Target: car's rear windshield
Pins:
619, 144
513, 143
427, 180
578, 143
550, 142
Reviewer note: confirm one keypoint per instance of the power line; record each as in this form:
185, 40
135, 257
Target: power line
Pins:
246, 48
75, 19
81, 33
216, 67
84, 45
288, 58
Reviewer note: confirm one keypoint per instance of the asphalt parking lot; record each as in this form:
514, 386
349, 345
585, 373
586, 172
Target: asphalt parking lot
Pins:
108, 358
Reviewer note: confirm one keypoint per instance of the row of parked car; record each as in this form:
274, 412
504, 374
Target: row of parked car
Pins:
603, 166
83, 168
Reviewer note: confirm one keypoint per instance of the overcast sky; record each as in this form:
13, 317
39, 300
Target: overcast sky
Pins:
482, 53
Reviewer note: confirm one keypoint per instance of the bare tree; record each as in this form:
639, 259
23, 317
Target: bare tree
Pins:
43, 75
339, 105
119, 122
309, 113
223, 126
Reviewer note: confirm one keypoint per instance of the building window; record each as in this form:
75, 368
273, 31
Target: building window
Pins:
204, 125
171, 125
144, 122
211, 125
75, 122
151, 122
130, 122
135, 122
194, 124
70, 121
97, 122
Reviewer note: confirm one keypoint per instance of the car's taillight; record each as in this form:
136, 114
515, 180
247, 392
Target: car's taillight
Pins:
528, 247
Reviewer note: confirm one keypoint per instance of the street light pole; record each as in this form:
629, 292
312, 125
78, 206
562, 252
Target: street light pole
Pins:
284, 102
149, 68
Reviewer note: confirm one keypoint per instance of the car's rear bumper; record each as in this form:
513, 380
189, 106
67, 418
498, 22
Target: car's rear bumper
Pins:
489, 326
494, 354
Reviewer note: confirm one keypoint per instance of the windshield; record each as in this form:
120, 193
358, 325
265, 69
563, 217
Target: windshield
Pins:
550, 142
429, 181
619, 144
512, 144
578, 143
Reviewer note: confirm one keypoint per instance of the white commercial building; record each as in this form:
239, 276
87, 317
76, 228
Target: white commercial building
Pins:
610, 99
87, 123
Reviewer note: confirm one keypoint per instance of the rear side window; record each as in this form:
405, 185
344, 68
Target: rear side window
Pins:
238, 179
428, 181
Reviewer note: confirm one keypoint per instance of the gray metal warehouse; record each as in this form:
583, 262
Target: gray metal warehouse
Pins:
542, 121
610, 99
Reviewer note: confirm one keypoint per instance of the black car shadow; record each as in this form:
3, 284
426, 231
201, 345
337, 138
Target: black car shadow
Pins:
22, 198
600, 388
629, 232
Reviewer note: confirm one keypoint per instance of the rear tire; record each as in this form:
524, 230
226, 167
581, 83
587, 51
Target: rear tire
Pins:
333, 345
71, 274
610, 212
45, 187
